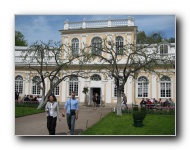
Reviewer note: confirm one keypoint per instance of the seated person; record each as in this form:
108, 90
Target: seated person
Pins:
148, 101
143, 102
27, 98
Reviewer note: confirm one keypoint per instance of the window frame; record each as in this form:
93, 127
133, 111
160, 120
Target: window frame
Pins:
164, 48
75, 46
73, 85
19, 84
119, 44
142, 87
96, 44
57, 88
95, 77
165, 83
35, 88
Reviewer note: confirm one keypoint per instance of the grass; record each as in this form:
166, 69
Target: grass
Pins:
24, 111
123, 125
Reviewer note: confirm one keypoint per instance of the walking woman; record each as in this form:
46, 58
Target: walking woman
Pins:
52, 112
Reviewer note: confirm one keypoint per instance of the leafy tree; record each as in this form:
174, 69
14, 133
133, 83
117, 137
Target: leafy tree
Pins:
125, 61
20, 39
141, 37
155, 37
171, 40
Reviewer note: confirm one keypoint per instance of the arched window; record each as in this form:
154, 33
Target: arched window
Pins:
73, 85
96, 44
165, 87
35, 85
95, 77
19, 84
119, 45
56, 89
75, 46
163, 50
142, 87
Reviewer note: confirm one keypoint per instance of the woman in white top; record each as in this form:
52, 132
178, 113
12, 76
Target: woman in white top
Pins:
52, 111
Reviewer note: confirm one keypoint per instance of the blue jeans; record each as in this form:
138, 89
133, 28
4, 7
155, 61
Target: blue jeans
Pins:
71, 123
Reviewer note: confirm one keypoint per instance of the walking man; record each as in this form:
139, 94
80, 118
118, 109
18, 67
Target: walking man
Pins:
71, 108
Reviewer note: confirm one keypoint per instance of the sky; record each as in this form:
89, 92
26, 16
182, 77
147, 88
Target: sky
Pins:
45, 27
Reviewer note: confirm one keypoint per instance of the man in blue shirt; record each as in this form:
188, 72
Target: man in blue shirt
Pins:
71, 108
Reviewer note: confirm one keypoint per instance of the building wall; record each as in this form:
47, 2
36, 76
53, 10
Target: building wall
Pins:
107, 88
106, 84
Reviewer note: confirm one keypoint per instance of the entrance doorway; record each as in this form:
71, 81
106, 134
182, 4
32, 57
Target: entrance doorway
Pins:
93, 91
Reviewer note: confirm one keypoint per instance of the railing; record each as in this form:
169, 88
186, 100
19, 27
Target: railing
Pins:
19, 60
51, 61
96, 24
170, 56
99, 23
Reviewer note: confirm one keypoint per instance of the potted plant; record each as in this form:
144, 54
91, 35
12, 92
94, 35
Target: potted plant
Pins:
138, 116
85, 91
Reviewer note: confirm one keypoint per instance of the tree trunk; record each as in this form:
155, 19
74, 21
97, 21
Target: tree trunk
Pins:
119, 112
42, 102
44, 99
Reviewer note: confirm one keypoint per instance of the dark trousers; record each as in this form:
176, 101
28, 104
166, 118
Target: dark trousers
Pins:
51, 124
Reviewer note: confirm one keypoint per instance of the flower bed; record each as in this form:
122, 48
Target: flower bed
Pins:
26, 103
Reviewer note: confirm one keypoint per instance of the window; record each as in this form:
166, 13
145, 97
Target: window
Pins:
115, 91
56, 89
142, 87
96, 44
19, 84
75, 46
35, 86
163, 50
95, 77
165, 87
119, 45
73, 85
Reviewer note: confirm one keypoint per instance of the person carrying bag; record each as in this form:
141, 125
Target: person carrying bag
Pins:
71, 108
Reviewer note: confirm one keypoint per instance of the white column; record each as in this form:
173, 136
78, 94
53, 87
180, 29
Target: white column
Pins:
66, 25
64, 90
108, 91
129, 91
83, 41
65, 48
27, 84
109, 40
154, 87
84, 23
128, 38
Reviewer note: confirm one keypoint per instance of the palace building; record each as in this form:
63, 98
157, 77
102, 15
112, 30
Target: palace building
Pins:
80, 34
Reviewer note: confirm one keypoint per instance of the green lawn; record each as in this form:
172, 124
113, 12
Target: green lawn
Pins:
24, 111
123, 125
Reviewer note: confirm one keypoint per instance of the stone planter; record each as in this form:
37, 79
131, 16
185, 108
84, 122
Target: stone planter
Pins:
138, 123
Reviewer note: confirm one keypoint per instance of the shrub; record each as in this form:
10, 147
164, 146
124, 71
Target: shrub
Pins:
139, 114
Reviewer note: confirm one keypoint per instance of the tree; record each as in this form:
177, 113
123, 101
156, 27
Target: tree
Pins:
46, 60
171, 40
155, 37
141, 37
20, 39
125, 61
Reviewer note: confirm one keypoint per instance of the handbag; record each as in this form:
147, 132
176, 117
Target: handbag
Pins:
72, 111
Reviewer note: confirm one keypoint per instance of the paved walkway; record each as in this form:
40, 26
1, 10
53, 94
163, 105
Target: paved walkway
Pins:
35, 125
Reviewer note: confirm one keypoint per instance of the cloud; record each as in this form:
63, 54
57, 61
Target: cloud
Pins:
38, 28
45, 27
